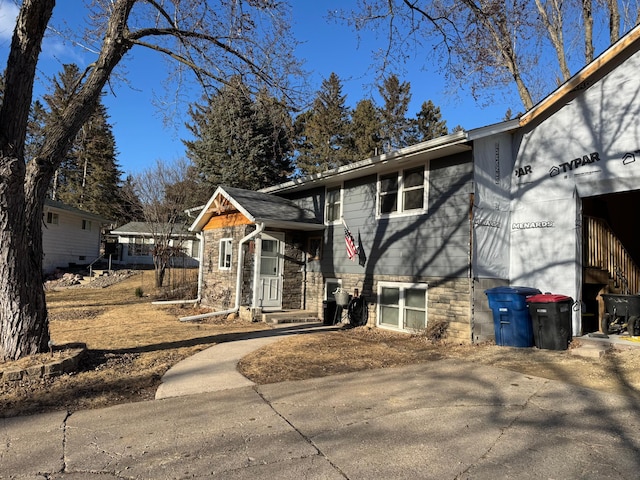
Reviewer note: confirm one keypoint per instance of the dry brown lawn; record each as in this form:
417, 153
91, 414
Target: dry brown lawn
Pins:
131, 343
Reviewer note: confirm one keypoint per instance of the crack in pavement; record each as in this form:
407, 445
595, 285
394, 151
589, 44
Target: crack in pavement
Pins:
302, 435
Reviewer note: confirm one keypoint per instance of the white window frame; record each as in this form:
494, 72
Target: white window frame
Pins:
340, 203
402, 307
225, 254
401, 190
140, 247
86, 225
53, 218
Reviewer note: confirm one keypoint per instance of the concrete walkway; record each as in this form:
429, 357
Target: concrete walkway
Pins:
214, 369
448, 419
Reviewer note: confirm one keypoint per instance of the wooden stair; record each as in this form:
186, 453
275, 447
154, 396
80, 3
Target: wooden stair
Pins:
606, 260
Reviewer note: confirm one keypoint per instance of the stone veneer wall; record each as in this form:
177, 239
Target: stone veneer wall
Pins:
293, 275
449, 299
219, 286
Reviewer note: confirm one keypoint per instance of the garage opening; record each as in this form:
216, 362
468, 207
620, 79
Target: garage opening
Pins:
611, 255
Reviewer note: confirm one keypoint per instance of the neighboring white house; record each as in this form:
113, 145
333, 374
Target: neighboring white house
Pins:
135, 244
69, 237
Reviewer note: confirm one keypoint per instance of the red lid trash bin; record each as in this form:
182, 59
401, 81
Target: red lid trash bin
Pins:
551, 320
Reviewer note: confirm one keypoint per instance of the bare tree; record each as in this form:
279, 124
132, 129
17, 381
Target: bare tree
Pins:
213, 39
164, 192
490, 44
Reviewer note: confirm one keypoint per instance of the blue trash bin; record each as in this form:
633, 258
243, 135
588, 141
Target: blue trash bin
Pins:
511, 318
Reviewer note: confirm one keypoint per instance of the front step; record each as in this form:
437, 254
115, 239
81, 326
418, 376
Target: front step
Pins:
291, 316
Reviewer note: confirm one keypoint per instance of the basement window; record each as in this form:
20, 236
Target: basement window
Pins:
402, 306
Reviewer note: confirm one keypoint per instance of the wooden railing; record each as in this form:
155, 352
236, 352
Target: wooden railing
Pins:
604, 250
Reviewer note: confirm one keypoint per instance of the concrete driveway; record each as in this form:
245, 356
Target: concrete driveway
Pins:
442, 420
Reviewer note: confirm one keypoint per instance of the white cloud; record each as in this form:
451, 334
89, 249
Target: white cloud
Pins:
8, 14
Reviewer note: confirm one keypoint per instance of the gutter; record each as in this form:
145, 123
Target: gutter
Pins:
236, 307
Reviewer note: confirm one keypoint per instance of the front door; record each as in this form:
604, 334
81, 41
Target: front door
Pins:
271, 264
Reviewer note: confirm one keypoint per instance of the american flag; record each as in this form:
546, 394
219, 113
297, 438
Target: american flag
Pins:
352, 250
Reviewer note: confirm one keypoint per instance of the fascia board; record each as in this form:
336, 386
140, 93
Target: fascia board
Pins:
204, 216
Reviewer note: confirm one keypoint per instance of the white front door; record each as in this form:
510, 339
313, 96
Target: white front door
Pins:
271, 265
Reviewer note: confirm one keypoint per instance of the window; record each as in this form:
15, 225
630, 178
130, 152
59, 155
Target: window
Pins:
139, 248
402, 306
224, 260
333, 202
195, 248
403, 191
86, 224
52, 218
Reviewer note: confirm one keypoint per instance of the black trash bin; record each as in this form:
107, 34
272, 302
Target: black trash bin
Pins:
511, 319
551, 320
328, 312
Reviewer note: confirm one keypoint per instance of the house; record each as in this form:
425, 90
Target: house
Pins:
409, 212
70, 236
135, 241
438, 223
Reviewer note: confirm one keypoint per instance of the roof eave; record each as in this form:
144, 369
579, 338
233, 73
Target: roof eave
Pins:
457, 139
291, 225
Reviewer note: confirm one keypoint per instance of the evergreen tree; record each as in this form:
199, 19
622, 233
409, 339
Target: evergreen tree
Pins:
89, 176
240, 141
396, 128
428, 123
366, 126
35, 129
324, 141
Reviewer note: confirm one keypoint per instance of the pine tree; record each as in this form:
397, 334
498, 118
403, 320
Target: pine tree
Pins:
396, 128
366, 126
35, 129
324, 141
240, 141
89, 177
428, 122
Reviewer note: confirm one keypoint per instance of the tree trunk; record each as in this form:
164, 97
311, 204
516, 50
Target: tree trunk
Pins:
24, 328
160, 267
614, 21
587, 19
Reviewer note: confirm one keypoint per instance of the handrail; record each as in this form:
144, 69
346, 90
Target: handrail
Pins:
99, 258
604, 250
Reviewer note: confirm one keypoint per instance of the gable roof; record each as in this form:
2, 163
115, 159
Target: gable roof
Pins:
68, 208
143, 229
607, 61
257, 207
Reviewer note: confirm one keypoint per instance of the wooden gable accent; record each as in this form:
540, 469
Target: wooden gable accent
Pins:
229, 220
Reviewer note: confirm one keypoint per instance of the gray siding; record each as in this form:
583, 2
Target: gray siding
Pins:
431, 244
311, 200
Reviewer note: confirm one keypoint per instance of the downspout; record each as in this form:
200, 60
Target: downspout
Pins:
236, 307
256, 232
200, 237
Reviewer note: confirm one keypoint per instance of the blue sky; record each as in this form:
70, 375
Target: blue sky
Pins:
142, 137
